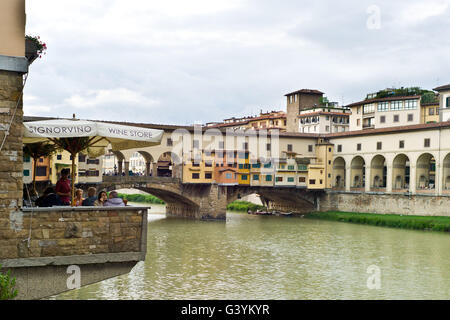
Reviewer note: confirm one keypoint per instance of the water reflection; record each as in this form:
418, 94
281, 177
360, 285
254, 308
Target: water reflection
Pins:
251, 257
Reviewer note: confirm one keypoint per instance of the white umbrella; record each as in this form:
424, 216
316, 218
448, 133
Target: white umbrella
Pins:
94, 137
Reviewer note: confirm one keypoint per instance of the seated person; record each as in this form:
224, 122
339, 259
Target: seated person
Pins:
49, 199
114, 200
89, 201
101, 199
78, 197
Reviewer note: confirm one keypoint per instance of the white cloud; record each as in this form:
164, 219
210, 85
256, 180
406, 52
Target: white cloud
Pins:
420, 11
32, 106
104, 98
180, 61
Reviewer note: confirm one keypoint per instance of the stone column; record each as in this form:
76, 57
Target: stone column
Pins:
368, 178
348, 176
389, 178
439, 178
147, 168
127, 168
119, 168
154, 169
412, 178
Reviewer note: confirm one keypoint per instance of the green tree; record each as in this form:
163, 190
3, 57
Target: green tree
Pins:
36, 151
429, 97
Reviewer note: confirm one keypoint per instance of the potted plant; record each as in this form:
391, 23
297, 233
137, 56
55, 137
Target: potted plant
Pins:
34, 48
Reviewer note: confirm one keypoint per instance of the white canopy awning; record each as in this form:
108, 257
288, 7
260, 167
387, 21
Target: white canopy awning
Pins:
102, 134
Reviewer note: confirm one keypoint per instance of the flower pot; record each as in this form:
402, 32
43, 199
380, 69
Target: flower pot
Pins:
31, 51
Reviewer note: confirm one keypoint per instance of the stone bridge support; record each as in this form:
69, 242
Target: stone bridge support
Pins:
280, 199
197, 201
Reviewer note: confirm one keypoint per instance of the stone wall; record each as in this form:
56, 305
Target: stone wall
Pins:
50, 232
11, 160
405, 204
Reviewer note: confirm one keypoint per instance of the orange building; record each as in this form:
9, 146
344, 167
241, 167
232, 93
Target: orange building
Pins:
225, 170
43, 169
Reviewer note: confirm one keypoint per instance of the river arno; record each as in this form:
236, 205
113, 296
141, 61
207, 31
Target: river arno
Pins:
251, 257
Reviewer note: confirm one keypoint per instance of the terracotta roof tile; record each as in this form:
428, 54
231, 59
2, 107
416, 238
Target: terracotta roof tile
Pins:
442, 88
305, 91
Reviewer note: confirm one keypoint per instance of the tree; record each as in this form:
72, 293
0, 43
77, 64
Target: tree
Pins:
36, 151
429, 97
74, 146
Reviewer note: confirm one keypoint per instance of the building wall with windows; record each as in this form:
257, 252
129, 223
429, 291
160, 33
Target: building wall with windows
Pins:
430, 113
297, 101
225, 167
444, 102
59, 161
386, 112
324, 120
244, 167
89, 169
414, 159
198, 168
43, 169
27, 170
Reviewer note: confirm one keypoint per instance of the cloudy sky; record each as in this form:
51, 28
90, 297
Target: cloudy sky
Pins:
185, 62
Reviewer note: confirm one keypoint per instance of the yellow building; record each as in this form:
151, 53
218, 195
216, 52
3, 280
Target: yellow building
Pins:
286, 172
244, 167
59, 161
255, 174
320, 169
430, 112
199, 167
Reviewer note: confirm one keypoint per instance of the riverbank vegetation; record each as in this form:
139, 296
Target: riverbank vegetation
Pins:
142, 198
244, 206
7, 286
387, 220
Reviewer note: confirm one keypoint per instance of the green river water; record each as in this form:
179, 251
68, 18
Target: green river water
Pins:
257, 257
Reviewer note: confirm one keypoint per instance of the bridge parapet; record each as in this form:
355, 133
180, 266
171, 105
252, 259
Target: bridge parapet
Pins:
138, 179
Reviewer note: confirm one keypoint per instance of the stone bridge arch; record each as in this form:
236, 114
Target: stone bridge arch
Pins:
281, 199
182, 200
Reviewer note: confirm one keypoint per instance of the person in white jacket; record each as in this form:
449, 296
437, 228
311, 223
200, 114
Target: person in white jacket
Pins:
114, 200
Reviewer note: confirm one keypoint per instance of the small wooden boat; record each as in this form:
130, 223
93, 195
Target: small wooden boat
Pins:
260, 213
284, 214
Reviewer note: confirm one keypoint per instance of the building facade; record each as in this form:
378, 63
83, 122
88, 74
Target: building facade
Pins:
324, 120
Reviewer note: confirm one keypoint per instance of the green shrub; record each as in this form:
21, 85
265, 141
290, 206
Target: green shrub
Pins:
143, 198
387, 220
7, 285
244, 206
